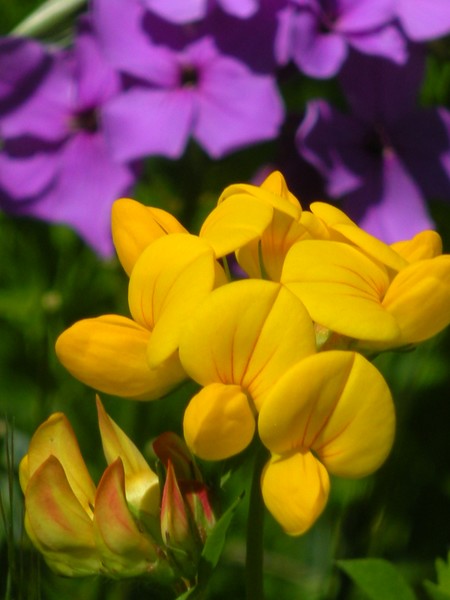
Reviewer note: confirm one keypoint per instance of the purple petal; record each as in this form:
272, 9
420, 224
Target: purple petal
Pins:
88, 184
25, 173
284, 34
240, 8
331, 142
23, 62
96, 80
362, 15
178, 11
144, 121
45, 114
387, 42
379, 90
235, 107
119, 25
397, 211
316, 54
424, 19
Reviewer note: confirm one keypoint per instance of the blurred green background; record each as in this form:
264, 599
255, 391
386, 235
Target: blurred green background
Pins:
49, 279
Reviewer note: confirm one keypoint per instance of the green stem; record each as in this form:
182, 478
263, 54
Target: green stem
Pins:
255, 533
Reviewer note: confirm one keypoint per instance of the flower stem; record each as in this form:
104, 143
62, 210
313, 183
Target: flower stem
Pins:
255, 533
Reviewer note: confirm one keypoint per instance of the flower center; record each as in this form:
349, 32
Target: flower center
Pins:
85, 120
376, 142
189, 76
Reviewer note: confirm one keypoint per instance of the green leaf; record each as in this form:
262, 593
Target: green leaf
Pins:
377, 578
216, 539
441, 590
47, 16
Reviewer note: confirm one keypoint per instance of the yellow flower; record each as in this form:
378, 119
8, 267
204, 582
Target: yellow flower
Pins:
330, 413
135, 226
382, 296
81, 530
238, 342
138, 358
263, 256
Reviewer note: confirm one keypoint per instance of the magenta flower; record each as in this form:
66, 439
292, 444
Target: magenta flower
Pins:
385, 158
317, 34
180, 90
55, 164
186, 11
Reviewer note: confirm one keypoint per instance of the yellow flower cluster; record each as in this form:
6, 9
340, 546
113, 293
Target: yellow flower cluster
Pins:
281, 353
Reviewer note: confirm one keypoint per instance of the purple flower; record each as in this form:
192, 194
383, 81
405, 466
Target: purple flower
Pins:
386, 157
424, 19
178, 90
317, 34
55, 164
187, 11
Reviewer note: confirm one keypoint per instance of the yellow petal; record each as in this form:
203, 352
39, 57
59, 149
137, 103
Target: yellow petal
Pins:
170, 278
125, 550
135, 226
142, 487
315, 226
295, 490
57, 519
419, 299
273, 192
246, 333
234, 223
336, 403
109, 353
375, 248
275, 242
218, 422
341, 288
426, 244
55, 437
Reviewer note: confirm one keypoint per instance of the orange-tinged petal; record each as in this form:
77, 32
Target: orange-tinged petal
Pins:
419, 299
142, 486
109, 353
55, 437
375, 248
295, 490
341, 288
426, 244
123, 547
170, 278
234, 223
247, 333
135, 226
336, 403
57, 519
218, 422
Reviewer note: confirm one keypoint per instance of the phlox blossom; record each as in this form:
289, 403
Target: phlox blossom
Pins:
55, 162
318, 34
180, 89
